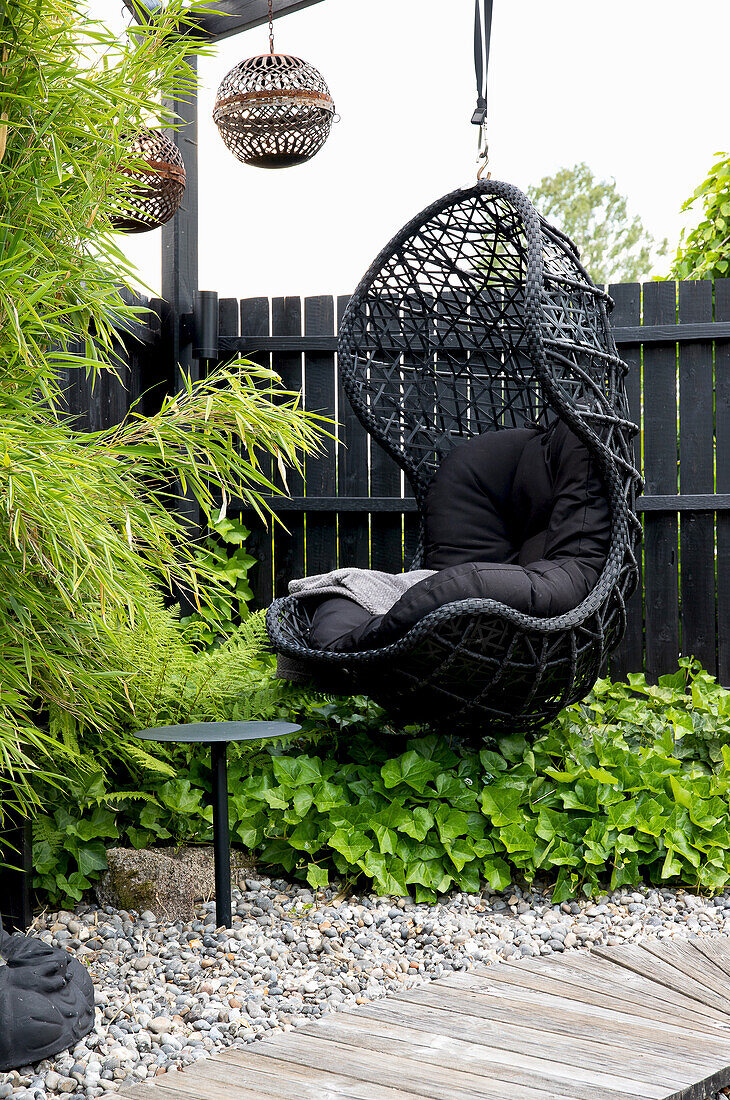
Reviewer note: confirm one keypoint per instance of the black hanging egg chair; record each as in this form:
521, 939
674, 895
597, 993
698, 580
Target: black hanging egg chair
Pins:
478, 317
477, 351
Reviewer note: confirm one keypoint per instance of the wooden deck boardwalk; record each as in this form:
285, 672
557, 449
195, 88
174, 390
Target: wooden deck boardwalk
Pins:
637, 1022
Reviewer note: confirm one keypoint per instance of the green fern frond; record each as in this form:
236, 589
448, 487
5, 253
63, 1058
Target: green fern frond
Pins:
115, 797
146, 761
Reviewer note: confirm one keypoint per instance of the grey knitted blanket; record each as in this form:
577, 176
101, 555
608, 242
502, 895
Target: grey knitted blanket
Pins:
375, 591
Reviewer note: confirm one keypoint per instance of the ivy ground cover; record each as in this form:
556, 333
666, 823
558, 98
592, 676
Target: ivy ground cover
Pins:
631, 785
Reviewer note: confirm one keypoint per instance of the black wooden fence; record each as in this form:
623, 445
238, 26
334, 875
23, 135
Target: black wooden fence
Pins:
352, 507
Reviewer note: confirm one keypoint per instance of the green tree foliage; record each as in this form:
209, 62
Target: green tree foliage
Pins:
704, 252
88, 537
613, 245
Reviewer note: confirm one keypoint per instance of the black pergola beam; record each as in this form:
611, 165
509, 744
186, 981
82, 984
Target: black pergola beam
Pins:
226, 17
233, 16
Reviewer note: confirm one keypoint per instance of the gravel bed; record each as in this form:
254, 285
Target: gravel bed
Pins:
171, 993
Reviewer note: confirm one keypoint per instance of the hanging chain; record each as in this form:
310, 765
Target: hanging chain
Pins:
271, 28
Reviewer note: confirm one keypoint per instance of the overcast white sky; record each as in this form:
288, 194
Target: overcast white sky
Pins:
636, 88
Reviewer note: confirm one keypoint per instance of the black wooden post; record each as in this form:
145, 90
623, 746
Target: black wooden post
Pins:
180, 246
180, 277
15, 879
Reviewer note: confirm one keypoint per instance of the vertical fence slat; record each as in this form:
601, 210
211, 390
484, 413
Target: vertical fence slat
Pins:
696, 475
660, 471
722, 430
320, 474
386, 528
288, 545
228, 311
254, 314
352, 474
629, 657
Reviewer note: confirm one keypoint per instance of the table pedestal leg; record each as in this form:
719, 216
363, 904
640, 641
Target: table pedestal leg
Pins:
221, 836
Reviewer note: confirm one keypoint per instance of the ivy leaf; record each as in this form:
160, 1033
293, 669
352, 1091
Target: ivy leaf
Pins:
101, 823
277, 797
468, 878
92, 857
387, 838
410, 768
177, 795
351, 845
327, 796
460, 852
516, 839
502, 804
455, 791
429, 873
296, 771
451, 823
250, 833
317, 876
513, 746
306, 837
386, 872
497, 873
417, 822
302, 799
492, 762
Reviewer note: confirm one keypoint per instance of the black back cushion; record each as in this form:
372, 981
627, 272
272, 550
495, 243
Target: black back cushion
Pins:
518, 516
517, 496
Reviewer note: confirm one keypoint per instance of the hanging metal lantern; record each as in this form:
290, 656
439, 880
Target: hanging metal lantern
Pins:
275, 110
158, 191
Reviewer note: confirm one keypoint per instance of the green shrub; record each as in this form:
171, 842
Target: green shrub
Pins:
631, 785
704, 251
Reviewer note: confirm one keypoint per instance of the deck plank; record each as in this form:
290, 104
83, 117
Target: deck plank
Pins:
276, 1078
662, 971
596, 976
642, 1021
545, 1006
716, 950
630, 994
517, 1036
686, 958
573, 1065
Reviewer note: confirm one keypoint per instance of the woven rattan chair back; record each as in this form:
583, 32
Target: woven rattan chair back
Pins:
479, 316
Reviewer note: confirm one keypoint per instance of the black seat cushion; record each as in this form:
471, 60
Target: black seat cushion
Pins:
518, 516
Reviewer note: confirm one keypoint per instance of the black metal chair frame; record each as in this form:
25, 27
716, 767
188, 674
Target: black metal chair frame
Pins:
479, 316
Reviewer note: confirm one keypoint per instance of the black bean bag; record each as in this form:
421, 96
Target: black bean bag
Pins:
517, 516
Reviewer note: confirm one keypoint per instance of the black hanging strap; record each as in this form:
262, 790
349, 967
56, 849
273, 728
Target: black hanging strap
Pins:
481, 57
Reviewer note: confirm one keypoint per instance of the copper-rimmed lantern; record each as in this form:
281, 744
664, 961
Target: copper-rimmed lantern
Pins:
158, 190
275, 110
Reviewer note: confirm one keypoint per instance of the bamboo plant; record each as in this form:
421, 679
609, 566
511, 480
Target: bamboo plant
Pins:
88, 537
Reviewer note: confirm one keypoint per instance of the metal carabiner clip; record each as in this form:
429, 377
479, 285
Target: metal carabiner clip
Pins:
483, 152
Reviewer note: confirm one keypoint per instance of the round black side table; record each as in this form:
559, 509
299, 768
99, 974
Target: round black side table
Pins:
218, 735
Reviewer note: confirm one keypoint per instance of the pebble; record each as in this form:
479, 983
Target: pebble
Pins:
160, 1024
171, 993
